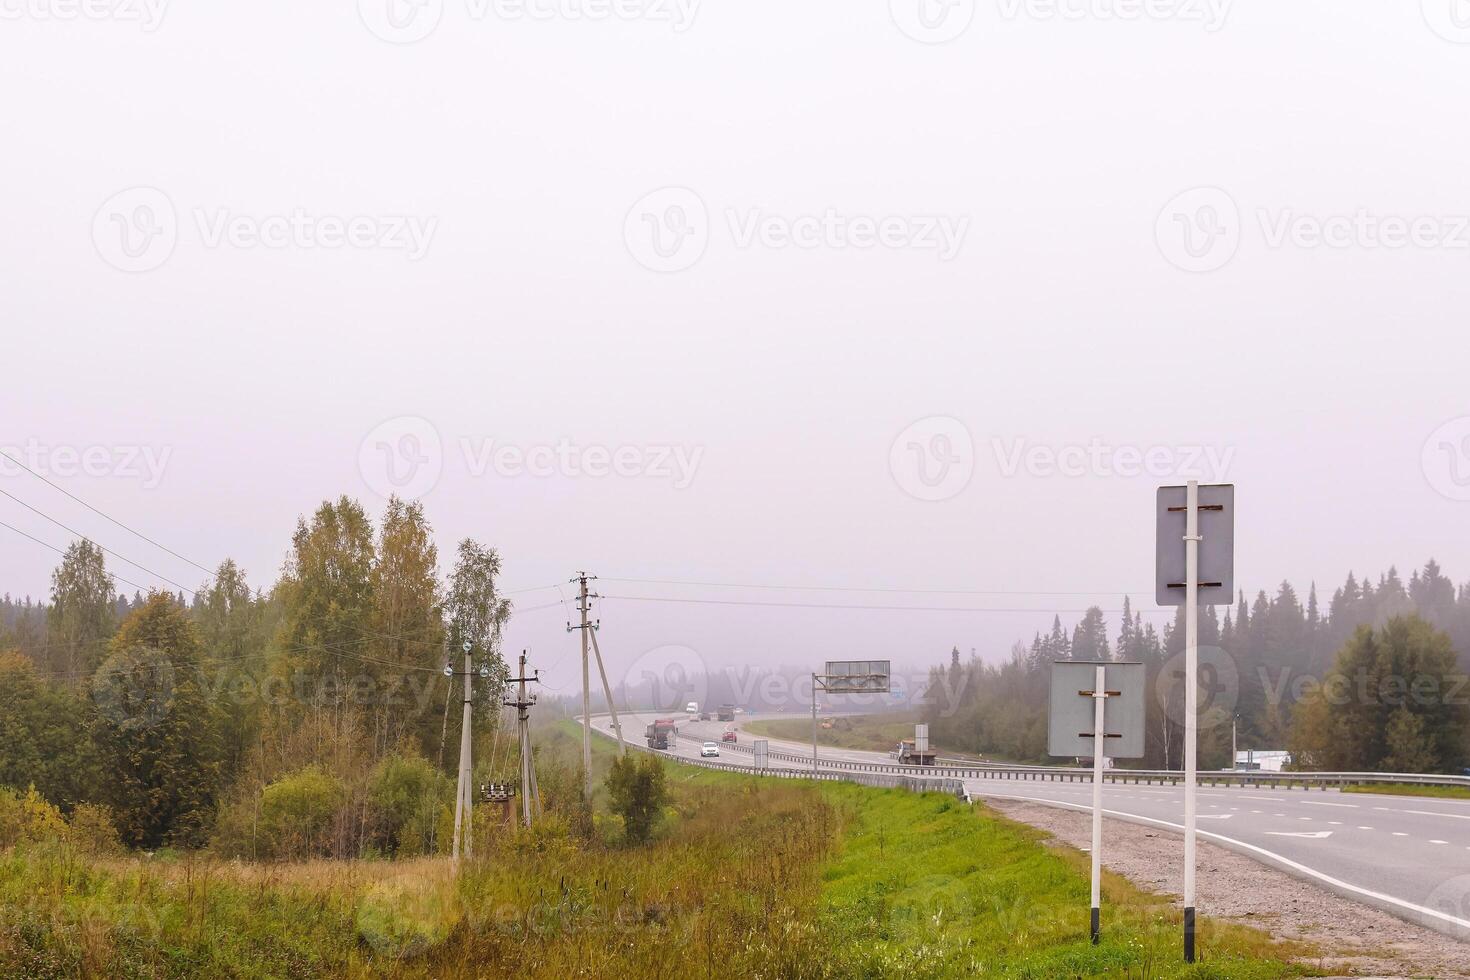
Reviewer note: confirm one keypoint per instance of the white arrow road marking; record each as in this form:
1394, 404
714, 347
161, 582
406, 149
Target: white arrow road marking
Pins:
1315, 835
1272, 857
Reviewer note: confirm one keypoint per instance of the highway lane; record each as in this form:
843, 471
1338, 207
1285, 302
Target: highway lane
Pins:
1407, 855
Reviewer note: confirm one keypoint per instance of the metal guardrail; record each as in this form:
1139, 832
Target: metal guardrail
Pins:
917, 783
1148, 777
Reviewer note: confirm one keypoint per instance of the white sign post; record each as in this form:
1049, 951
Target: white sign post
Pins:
1114, 700
1220, 555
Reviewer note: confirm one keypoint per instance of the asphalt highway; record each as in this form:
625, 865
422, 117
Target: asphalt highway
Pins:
1407, 855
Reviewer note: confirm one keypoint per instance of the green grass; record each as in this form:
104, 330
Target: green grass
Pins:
871, 733
749, 878
1438, 792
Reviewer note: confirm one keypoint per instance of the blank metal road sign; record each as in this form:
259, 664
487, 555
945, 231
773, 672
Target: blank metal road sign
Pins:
1070, 725
1216, 547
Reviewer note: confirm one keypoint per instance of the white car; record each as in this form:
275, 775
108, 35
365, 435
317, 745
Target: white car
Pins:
708, 749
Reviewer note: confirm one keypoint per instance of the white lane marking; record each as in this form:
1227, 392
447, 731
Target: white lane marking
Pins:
1350, 806
1311, 835
1432, 842
1210, 816
1435, 813
1299, 818
1396, 833
1365, 828
1272, 855
1334, 823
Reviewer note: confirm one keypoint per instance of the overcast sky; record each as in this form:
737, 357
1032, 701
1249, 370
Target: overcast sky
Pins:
840, 294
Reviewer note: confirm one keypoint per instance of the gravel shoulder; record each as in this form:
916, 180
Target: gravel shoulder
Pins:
1354, 939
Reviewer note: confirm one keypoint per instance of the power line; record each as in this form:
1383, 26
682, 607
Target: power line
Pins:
106, 550
135, 533
882, 589
857, 606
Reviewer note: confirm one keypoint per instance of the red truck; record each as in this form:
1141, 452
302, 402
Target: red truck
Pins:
661, 733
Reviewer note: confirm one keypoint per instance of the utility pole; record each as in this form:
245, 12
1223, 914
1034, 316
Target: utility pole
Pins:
462, 788
530, 793
584, 607
464, 791
607, 690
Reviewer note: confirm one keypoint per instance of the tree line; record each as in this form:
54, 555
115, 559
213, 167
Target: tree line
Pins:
308, 718
1375, 680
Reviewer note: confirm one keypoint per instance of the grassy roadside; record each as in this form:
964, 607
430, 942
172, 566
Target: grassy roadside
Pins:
870, 733
750, 878
1435, 792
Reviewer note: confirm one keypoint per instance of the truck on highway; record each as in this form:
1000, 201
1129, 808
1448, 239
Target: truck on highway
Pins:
727, 713
909, 754
660, 735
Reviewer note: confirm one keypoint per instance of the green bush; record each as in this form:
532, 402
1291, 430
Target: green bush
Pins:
407, 794
298, 813
638, 791
28, 817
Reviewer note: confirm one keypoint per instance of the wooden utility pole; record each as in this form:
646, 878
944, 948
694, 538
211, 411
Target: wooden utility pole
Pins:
463, 791
530, 792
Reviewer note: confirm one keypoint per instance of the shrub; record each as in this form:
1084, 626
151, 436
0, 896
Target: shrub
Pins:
298, 813
92, 829
639, 792
28, 817
407, 793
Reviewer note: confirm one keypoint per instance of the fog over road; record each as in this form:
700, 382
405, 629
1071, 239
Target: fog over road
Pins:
1407, 855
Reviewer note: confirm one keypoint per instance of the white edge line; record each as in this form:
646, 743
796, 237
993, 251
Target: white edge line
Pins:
1287, 862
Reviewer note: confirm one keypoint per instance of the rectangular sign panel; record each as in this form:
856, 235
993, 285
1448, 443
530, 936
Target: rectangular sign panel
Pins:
1071, 722
1216, 547
856, 677
762, 753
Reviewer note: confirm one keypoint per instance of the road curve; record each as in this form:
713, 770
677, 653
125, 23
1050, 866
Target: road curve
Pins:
1407, 855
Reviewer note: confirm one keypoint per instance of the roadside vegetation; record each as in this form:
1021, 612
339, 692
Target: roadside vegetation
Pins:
1435, 792
734, 877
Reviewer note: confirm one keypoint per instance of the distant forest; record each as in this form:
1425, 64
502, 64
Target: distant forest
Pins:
1373, 681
